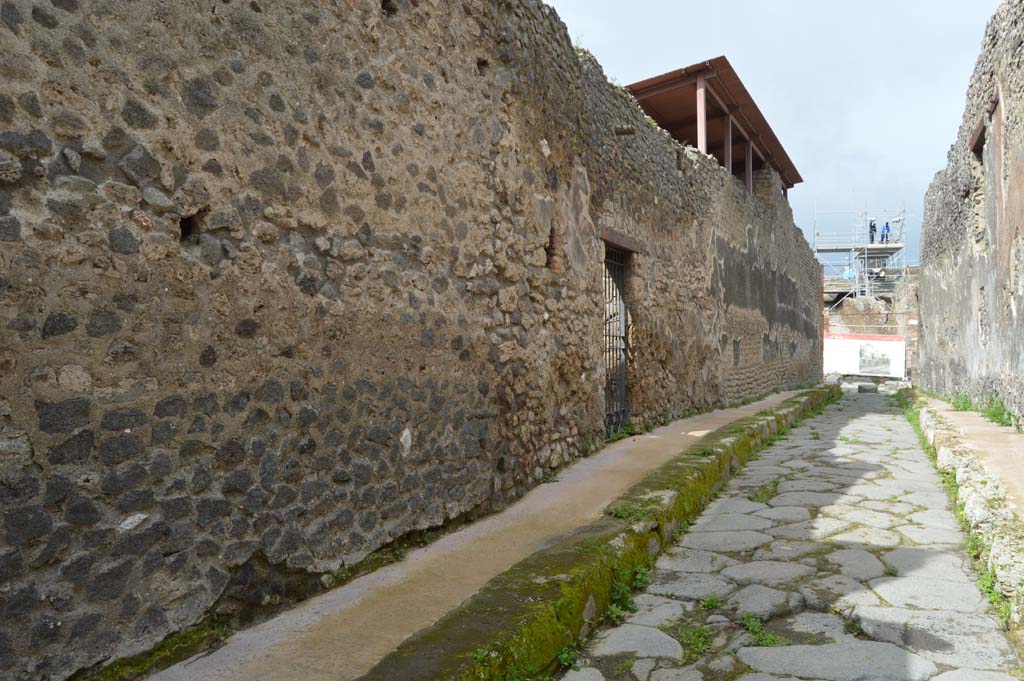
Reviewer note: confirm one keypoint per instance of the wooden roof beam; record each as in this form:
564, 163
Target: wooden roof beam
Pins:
676, 84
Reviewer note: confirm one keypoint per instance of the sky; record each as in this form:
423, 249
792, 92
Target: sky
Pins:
866, 97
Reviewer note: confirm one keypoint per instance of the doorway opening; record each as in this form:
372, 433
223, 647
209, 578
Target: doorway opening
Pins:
616, 322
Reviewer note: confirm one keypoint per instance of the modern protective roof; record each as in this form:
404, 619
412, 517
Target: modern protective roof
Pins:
670, 99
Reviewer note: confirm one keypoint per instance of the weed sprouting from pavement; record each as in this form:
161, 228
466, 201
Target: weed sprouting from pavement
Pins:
761, 636
694, 638
765, 492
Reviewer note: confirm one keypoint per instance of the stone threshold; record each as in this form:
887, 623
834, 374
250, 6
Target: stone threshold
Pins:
520, 621
983, 502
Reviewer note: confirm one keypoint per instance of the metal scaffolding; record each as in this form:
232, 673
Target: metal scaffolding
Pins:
855, 264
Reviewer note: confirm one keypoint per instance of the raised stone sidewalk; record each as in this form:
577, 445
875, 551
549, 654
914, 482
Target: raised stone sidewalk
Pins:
833, 556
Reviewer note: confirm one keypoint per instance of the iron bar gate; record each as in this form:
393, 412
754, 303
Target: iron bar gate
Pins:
616, 404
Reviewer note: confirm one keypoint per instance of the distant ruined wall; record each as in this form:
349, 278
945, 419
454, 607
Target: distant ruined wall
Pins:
972, 260
906, 300
282, 282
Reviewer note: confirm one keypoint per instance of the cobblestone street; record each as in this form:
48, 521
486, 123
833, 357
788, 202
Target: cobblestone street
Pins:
832, 556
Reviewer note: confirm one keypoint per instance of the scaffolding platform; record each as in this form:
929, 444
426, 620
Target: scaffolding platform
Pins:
862, 250
855, 264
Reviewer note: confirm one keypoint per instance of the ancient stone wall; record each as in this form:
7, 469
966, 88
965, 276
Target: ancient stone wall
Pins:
972, 260
907, 304
282, 282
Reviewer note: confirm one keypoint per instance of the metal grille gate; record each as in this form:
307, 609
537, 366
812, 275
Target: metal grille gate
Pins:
616, 405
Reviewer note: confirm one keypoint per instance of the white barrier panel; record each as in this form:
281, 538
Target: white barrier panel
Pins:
858, 354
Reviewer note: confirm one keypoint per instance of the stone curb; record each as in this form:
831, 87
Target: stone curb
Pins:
517, 625
982, 500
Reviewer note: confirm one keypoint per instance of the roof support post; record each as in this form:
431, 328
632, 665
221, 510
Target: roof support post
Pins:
702, 115
749, 166
727, 156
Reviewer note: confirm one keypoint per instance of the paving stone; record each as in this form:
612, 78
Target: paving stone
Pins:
949, 638
895, 507
930, 536
812, 499
847, 476
935, 517
729, 522
846, 661
654, 611
857, 563
732, 505
923, 562
763, 601
818, 528
676, 675
856, 463
632, 639
693, 560
863, 516
765, 677
785, 513
643, 667
806, 485
873, 492
837, 591
768, 572
882, 623
936, 499
584, 674
692, 585
797, 464
785, 549
762, 468
744, 540
973, 675
820, 624
903, 483
867, 537
928, 594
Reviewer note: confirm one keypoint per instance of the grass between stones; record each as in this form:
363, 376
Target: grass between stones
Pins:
694, 638
624, 667
761, 636
975, 546
765, 492
567, 657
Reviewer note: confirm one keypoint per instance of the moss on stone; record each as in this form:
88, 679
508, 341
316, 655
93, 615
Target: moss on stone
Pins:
173, 649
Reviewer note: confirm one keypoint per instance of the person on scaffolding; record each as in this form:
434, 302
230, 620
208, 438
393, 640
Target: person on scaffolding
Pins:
885, 233
872, 229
